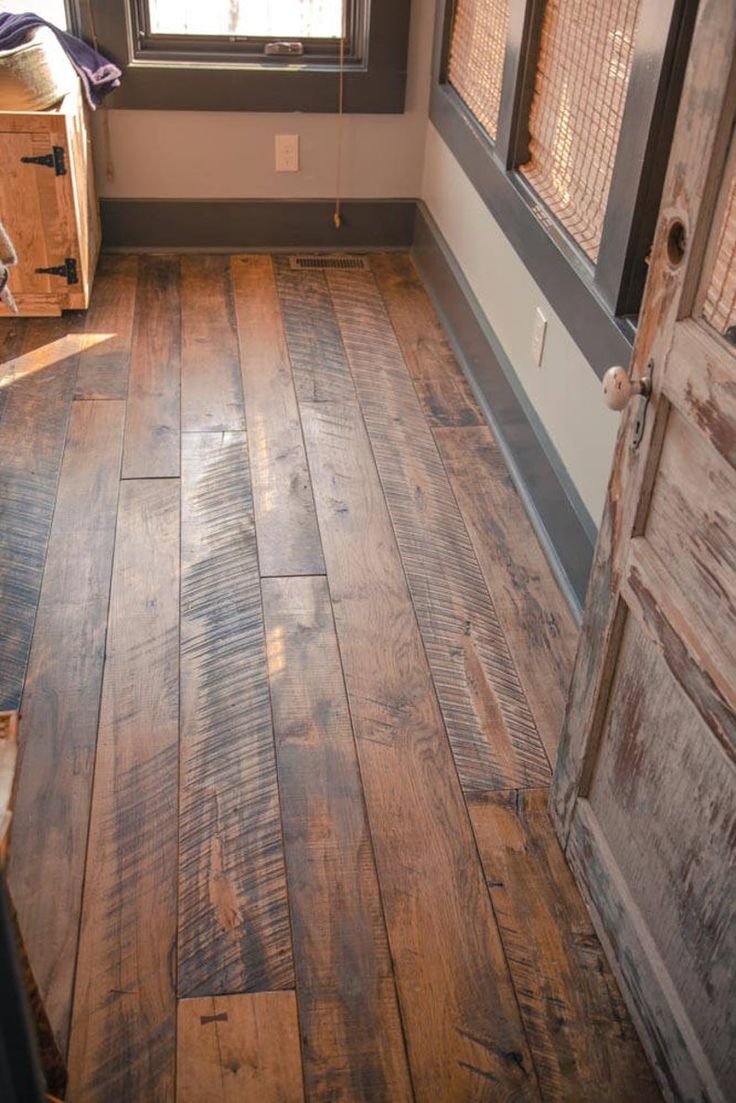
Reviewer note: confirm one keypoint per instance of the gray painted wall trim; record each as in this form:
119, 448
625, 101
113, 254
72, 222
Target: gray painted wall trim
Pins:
562, 522
239, 225
562, 278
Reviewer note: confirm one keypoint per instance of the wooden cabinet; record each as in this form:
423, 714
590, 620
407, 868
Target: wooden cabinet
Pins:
49, 206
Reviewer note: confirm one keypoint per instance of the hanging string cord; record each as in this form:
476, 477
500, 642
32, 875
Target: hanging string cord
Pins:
337, 218
105, 120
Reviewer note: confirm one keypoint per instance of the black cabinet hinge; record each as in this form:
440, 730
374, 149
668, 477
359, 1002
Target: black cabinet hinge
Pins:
68, 269
55, 160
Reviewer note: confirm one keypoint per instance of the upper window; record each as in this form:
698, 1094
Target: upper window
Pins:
477, 48
283, 31
580, 89
270, 18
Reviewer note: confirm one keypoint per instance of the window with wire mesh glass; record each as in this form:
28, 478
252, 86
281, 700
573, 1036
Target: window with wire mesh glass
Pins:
719, 306
582, 77
280, 32
476, 56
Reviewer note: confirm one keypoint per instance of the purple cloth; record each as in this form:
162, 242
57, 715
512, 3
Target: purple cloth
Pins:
98, 75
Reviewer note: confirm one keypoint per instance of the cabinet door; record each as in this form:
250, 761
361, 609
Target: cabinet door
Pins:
31, 208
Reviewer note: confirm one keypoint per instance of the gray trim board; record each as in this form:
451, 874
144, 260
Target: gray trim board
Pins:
602, 339
565, 528
242, 224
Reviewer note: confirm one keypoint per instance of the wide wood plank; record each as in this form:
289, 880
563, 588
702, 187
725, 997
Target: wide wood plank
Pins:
122, 1040
152, 426
462, 1027
491, 728
211, 391
233, 914
286, 525
61, 703
351, 1033
39, 385
12, 337
103, 365
536, 619
583, 1043
443, 390
236, 1048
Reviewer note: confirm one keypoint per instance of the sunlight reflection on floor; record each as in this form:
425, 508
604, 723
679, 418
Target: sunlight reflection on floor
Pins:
47, 355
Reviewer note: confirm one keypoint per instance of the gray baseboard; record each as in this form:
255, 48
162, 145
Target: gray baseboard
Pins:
563, 524
240, 225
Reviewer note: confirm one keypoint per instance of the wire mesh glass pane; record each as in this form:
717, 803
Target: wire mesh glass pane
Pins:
477, 49
580, 89
719, 307
295, 19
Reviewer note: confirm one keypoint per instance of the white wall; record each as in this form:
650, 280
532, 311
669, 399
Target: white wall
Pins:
565, 392
230, 155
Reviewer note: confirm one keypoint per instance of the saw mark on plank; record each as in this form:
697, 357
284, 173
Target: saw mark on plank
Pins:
233, 926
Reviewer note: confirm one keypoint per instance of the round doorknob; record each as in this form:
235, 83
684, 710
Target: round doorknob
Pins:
618, 388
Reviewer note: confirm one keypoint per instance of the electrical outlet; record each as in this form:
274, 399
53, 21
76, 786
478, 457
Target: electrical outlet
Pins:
538, 334
287, 153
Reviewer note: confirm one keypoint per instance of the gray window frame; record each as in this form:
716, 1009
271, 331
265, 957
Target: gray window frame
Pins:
375, 68
597, 303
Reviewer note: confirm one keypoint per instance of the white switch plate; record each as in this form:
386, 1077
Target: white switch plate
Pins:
287, 153
538, 335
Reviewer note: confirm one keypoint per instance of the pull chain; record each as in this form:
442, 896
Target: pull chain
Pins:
337, 217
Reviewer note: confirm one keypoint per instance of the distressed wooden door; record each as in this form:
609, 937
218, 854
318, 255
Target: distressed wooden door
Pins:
644, 796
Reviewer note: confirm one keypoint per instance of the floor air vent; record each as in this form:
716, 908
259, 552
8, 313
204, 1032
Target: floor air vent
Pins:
319, 261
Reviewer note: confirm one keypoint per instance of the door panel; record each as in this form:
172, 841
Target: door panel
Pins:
22, 213
644, 795
662, 793
691, 525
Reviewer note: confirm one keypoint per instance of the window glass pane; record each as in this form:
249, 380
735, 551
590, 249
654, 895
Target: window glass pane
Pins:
719, 307
295, 19
477, 49
580, 90
51, 10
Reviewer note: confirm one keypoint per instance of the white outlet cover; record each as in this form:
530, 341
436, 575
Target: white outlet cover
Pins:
287, 152
538, 334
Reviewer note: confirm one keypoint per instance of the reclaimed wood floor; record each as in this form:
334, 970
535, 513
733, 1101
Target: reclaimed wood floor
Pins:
291, 667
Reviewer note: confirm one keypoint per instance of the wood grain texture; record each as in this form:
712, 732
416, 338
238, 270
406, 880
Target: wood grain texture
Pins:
122, 1040
534, 616
582, 1041
103, 365
492, 731
286, 524
39, 394
12, 337
464, 1037
443, 390
663, 796
233, 914
211, 391
351, 1033
152, 426
60, 704
233, 1049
